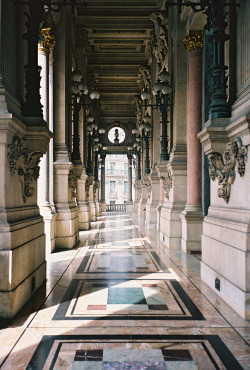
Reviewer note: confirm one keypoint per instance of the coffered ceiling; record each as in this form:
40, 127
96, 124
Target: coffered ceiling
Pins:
118, 33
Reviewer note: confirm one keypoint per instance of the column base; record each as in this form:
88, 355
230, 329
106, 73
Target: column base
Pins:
103, 206
23, 267
92, 207
84, 215
192, 223
235, 297
151, 216
67, 228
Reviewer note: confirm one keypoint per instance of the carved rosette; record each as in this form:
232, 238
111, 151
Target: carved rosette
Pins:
193, 40
25, 164
72, 182
167, 184
49, 40
223, 166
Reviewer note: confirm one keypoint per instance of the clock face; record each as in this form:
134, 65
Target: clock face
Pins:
116, 132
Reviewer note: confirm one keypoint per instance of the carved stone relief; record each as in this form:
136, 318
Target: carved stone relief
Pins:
72, 182
167, 184
223, 166
161, 39
25, 164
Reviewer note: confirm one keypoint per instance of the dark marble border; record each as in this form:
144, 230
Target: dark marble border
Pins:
153, 255
43, 349
175, 288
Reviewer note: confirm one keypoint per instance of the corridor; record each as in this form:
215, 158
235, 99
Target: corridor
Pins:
117, 301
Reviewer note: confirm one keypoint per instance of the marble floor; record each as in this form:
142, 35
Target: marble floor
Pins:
120, 300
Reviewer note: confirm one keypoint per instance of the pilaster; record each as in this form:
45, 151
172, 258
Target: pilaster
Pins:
22, 241
144, 194
82, 201
174, 177
225, 237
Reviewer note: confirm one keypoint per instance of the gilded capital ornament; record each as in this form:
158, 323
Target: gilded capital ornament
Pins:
193, 40
49, 40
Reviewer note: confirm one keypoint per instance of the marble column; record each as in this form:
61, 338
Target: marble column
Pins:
103, 197
44, 198
192, 215
129, 204
67, 222
174, 171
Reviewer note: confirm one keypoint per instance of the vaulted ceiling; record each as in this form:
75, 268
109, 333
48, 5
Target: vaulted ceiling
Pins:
118, 34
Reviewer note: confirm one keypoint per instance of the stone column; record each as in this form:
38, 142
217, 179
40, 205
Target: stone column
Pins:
153, 200
67, 226
192, 215
129, 204
45, 181
103, 198
176, 167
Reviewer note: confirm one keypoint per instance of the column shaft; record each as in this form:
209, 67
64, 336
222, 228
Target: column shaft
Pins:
129, 178
194, 117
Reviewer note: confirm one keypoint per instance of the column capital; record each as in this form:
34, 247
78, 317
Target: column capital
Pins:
49, 40
193, 40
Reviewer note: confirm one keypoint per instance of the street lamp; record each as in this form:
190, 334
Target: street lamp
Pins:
78, 92
216, 22
161, 91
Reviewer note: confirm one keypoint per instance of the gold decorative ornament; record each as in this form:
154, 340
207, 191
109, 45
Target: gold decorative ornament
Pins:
193, 40
48, 42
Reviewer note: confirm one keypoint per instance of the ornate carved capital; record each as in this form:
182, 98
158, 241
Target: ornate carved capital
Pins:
72, 182
49, 40
25, 164
193, 40
222, 167
167, 184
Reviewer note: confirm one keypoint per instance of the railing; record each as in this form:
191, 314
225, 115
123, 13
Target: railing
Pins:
115, 207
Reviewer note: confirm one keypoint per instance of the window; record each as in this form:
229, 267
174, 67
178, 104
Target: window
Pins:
125, 168
112, 168
112, 187
116, 133
112, 202
125, 188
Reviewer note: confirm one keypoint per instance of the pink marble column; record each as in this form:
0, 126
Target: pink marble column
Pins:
194, 117
192, 216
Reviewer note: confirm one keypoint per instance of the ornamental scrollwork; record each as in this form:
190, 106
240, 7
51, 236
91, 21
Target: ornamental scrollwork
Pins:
193, 40
167, 184
149, 188
72, 182
25, 164
223, 166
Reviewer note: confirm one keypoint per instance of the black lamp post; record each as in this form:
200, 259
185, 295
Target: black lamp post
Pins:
216, 15
79, 90
145, 130
161, 90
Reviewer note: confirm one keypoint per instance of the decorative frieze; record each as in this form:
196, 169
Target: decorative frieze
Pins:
193, 40
25, 164
167, 184
72, 179
223, 166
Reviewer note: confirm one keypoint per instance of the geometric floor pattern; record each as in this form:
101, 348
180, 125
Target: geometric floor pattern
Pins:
120, 300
